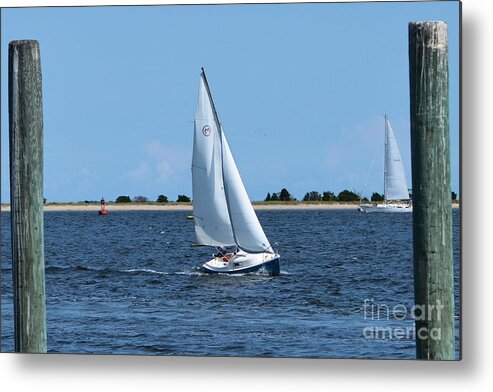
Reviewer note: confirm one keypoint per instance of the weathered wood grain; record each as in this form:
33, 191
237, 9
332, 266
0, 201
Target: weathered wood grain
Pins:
26, 194
432, 210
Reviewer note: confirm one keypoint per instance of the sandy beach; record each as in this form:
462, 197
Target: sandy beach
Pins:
186, 207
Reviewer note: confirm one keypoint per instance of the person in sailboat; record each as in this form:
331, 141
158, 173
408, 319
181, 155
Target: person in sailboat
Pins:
222, 253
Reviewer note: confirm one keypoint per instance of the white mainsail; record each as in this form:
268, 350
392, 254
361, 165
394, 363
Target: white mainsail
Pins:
395, 179
224, 215
212, 223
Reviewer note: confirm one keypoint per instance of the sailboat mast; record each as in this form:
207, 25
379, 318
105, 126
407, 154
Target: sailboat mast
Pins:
385, 163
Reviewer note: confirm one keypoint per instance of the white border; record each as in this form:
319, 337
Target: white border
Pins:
134, 373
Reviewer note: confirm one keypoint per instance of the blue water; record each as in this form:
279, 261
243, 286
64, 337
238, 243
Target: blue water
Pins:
128, 283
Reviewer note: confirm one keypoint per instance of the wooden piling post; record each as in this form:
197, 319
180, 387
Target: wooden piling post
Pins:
26, 196
432, 204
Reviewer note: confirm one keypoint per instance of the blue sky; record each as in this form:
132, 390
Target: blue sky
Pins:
301, 90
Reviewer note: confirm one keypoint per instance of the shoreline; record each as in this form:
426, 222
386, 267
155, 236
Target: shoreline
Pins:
181, 207
188, 207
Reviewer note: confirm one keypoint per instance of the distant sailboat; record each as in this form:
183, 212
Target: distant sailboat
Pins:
395, 184
223, 214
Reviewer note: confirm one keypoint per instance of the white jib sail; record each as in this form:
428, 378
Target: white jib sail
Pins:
212, 222
395, 179
247, 230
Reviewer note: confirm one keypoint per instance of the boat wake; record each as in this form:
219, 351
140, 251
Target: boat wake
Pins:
145, 270
195, 272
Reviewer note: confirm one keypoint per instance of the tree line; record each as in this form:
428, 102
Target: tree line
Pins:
143, 199
282, 195
343, 196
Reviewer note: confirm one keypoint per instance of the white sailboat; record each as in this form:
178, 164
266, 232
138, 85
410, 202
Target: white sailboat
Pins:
223, 214
396, 194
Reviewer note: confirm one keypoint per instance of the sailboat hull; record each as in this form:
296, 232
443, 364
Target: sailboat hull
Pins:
386, 208
244, 263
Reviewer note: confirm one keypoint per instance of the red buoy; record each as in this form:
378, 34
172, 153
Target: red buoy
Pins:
103, 210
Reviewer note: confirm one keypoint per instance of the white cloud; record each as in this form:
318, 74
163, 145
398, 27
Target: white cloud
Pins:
161, 164
164, 170
157, 150
166, 161
141, 172
366, 136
